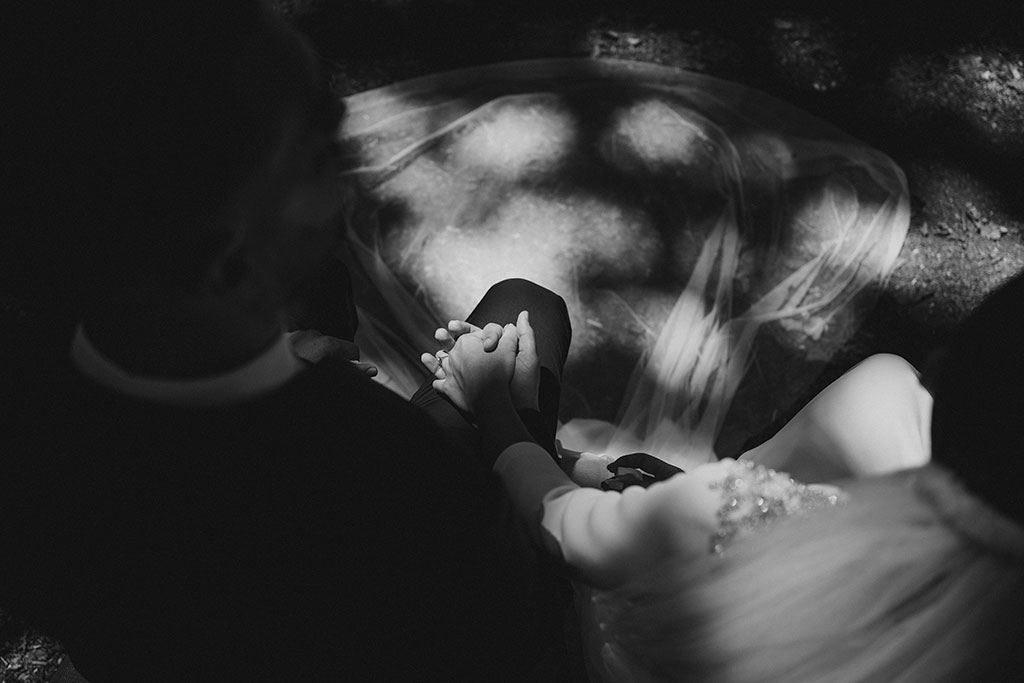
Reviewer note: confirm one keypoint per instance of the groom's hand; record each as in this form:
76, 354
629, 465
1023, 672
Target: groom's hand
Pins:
447, 336
525, 383
469, 370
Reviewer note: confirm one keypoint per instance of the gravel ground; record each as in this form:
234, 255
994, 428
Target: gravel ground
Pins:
941, 91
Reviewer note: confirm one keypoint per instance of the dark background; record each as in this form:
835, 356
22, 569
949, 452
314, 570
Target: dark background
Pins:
939, 88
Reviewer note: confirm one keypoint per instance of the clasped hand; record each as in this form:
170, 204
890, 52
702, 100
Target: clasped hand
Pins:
473, 361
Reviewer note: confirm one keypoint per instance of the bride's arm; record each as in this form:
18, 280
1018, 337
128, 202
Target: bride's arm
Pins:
607, 537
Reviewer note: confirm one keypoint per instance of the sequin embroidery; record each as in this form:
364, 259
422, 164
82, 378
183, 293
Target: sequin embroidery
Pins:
754, 496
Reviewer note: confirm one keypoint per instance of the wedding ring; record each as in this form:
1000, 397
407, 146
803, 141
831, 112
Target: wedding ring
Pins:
440, 355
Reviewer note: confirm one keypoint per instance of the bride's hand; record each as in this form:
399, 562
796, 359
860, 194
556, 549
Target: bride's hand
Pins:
525, 386
470, 370
438, 364
526, 379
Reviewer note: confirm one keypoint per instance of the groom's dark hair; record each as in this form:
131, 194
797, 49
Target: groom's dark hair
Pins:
978, 386
152, 116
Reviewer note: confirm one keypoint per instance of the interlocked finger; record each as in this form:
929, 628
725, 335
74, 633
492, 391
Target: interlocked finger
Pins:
441, 371
432, 362
444, 338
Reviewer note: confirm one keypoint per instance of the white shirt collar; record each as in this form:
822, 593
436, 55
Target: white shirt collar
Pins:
268, 371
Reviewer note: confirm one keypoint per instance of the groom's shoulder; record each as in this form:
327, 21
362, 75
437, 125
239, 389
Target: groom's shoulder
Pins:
345, 412
338, 387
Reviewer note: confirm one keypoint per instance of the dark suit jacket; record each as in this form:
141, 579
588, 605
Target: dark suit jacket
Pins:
323, 532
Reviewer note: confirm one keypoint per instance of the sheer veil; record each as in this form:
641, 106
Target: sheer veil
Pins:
715, 245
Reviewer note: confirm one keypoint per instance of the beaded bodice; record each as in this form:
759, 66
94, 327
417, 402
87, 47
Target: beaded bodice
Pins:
753, 497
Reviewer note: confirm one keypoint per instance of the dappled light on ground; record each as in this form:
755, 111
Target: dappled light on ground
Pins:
518, 141
708, 239
653, 136
554, 241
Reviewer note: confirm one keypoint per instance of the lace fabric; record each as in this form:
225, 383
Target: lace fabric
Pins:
754, 496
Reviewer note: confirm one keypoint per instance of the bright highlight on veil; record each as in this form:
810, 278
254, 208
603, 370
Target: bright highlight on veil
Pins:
704, 235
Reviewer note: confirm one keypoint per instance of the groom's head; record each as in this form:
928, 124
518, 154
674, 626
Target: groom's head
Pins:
978, 416
183, 135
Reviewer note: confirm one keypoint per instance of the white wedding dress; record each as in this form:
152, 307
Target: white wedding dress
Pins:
736, 572
715, 246
906, 578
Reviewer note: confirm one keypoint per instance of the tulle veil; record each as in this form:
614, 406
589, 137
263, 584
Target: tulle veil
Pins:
697, 228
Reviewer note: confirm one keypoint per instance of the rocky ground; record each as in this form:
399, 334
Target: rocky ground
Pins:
941, 91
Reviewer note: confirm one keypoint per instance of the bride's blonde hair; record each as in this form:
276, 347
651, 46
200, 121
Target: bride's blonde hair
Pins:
913, 579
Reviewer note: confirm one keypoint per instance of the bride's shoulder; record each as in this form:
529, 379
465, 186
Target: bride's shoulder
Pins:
748, 497
707, 507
